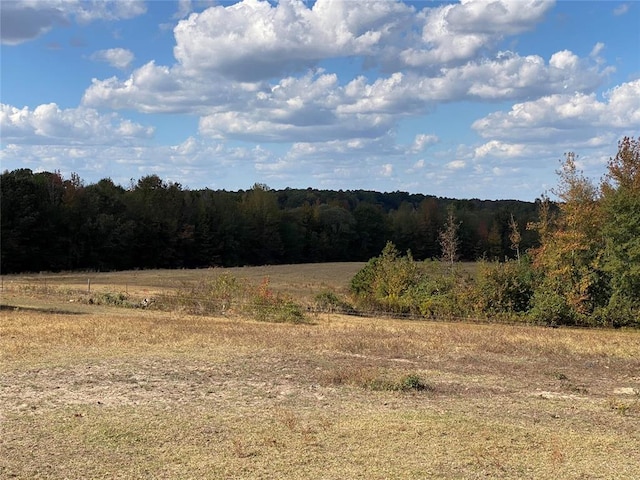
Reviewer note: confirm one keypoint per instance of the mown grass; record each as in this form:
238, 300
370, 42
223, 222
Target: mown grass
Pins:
96, 391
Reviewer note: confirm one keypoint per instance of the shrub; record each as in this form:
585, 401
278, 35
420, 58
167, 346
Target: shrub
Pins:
413, 382
620, 312
206, 297
330, 302
266, 306
504, 288
119, 299
551, 308
400, 285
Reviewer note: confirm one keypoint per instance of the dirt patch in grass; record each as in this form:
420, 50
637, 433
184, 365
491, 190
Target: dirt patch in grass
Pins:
128, 393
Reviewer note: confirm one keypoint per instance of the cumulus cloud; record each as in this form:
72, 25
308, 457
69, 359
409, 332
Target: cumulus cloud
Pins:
253, 39
456, 165
48, 124
232, 63
457, 33
496, 148
534, 134
159, 89
116, 57
259, 71
26, 20
422, 141
582, 114
318, 107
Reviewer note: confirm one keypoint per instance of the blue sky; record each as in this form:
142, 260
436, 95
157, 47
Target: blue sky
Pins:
471, 99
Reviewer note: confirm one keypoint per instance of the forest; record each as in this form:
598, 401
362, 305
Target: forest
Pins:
52, 223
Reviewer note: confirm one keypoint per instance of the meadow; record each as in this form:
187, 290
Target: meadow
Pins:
101, 391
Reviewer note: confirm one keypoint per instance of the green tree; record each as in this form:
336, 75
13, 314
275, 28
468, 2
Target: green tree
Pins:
262, 216
621, 230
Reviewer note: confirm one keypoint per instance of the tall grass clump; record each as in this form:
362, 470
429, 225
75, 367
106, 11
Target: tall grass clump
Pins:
268, 306
208, 296
226, 295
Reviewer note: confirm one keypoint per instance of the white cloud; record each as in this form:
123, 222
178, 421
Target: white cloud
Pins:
496, 17
116, 57
456, 165
500, 149
88, 11
534, 134
253, 39
26, 20
553, 116
456, 33
48, 124
317, 107
250, 71
596, 50
621, 9
422, 141
386, 170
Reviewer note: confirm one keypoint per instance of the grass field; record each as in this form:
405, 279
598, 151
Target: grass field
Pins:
95, 391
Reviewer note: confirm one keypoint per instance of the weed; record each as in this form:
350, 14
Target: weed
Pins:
624, 408
377, 379
413, 382
329, 302
119, 299
268, 306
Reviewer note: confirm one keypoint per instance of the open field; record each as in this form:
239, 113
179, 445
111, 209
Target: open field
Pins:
90, 391
300, 281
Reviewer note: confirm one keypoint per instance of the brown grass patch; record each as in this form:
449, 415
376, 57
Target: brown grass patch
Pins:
92, 391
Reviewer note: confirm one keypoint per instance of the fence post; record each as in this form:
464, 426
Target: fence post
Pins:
88, 285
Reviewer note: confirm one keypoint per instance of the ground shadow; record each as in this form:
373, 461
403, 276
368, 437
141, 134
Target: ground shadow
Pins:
59, 311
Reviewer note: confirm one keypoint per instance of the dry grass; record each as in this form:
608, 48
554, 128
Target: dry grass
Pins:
302, 281
103, 392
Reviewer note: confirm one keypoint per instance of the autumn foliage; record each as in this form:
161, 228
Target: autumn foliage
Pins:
585, 271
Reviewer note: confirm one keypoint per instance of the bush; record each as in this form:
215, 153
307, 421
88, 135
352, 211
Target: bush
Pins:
398, 284
621, 312
329, 302
504, 288
266, 306
551, 308
385, 281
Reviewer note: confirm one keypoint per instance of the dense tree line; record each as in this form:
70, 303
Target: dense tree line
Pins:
52, 223
585, 271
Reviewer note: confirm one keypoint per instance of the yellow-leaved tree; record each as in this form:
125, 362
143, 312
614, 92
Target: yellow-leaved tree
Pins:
571, 284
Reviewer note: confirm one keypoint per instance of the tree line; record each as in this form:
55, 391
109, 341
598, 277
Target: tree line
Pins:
585, 270
53, 223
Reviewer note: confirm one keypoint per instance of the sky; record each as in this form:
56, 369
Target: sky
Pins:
470, 99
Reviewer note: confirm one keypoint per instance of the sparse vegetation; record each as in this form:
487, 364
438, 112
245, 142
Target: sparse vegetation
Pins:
169, 394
